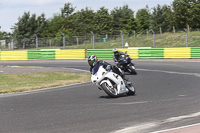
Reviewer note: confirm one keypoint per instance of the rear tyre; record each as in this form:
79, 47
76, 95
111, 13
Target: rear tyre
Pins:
110, 90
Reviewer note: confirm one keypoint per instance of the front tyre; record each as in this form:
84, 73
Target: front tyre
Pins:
131, 89
132, 70
110, 90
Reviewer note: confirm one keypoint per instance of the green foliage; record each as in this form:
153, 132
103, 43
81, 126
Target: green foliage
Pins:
26, 28
121, 17
143, 18
131, 26
161, 17
103, 22
186, 12
3, 35
54, 25
67, 10
181, 14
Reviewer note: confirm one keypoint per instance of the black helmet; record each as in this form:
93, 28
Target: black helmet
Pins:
92, 60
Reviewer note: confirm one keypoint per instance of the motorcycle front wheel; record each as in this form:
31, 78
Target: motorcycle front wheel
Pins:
131, 89
110, 90
132, 70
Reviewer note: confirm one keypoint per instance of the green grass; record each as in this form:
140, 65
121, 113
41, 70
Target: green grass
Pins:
165, 40
18, 82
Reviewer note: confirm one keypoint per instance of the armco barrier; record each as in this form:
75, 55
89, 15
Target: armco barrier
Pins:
41, 55
13, 55
195, 52
70, 54
132, 52
142, 53
177, 53
148, 53
108, 53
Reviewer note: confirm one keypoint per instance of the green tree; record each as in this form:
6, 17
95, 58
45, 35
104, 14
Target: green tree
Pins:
131, 26
41, 24
24, 29
161, 17
102, 21
143, 19
54, 24
67, 10
186, 13
80, 23
195, 14
121, 17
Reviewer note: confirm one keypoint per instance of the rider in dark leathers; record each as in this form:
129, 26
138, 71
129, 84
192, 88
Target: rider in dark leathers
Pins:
117, 55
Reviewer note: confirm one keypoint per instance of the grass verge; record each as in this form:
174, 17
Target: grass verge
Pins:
19, 82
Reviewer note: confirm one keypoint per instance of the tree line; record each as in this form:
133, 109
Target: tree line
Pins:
180, 14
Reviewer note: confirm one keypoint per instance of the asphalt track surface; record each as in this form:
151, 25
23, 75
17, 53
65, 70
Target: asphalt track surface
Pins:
167, 98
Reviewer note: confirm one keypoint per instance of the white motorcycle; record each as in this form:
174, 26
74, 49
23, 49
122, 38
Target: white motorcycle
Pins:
112, 83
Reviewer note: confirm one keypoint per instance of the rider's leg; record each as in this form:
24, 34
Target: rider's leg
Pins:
116, 70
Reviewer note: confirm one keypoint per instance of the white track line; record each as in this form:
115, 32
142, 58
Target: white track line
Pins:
139, 128
167, 130
171, 72
45, 89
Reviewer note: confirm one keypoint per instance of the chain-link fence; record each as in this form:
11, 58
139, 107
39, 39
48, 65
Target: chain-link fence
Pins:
149, 38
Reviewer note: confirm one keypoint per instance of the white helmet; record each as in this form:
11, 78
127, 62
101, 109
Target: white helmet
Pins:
115, 50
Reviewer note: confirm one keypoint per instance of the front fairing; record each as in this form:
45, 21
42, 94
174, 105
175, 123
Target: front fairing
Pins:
100, 75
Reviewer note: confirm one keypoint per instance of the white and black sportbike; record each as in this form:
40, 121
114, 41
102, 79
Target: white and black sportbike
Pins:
112, 83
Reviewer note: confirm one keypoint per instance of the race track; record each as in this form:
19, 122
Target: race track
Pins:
167, 96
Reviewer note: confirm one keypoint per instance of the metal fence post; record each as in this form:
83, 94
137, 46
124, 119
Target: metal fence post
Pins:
186, 36
36, 39
63, 40
122, 38
93, 39
12, 42
154, 40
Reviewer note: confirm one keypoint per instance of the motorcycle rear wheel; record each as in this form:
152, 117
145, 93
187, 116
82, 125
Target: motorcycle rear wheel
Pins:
110, 91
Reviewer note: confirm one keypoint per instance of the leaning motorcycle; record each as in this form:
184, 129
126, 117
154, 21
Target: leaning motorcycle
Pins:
126, 64
112, 83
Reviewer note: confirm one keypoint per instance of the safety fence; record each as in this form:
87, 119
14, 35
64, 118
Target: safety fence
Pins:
135, 53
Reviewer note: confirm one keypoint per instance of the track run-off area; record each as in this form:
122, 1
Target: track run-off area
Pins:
167, 100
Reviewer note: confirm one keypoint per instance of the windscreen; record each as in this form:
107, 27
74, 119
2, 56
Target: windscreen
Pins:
95, 69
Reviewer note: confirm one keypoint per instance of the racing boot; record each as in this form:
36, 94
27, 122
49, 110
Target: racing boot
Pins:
126, 80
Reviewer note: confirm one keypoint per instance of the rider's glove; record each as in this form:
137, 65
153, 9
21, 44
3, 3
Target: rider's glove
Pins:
108, 68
